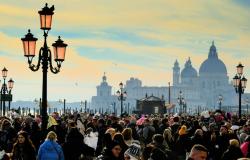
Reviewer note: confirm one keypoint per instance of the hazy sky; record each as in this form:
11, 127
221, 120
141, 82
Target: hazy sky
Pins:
124, 38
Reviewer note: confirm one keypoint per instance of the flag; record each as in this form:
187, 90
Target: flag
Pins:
51, 122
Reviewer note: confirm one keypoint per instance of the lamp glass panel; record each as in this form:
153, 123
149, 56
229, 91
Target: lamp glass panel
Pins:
29, 48
59, 53
45, 21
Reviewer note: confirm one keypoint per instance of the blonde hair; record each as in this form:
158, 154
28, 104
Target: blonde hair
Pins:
127, 133
111, 131
183, 130
167, 135
51, 136
234, 142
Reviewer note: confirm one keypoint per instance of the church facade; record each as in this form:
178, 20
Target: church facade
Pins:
200, 89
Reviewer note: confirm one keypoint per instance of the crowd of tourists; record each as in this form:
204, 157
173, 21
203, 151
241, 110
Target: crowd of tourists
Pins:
208, 136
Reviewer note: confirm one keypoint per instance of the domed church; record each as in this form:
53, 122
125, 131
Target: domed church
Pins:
199, 89
211, 82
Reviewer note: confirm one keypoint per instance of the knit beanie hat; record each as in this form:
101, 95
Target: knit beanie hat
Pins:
183, 130
134, 151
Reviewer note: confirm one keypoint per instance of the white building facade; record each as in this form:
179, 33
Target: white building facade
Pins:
200, 89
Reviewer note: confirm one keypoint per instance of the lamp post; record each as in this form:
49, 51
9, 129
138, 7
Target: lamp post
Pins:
181, 101
220, 99
247, 102
5, 93
45, 55
122, 95
64, 104
239, 83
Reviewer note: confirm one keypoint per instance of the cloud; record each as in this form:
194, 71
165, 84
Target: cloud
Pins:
123, 38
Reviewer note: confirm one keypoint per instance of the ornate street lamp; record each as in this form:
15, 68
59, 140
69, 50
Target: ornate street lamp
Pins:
220, 99
181, 102
122, 95
45, 55
239, 83
5, 92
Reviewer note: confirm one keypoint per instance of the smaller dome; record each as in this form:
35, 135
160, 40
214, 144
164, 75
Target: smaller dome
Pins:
189, 70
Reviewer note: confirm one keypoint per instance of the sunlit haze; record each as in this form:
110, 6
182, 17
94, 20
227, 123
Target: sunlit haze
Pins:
141, 39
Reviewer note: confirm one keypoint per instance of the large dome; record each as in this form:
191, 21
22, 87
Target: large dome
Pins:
213, 64
189, 70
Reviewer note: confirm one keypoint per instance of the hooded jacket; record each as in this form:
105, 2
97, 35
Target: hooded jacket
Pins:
50, 150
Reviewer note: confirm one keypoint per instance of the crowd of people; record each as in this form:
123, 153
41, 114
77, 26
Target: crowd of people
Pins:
210, 136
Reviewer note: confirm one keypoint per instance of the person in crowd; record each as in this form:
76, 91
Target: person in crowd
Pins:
147, 152
156, 125
168, 139
233, 152
23, 149
7, 135
50, 149
175, 127
222, 140
3, 154
157, 142
198, 138
183, 143
119, 138
74, 146
127, 135
111, 131
101, 132
113, 152
133, 152
35, 134
245, 147
198, 152
148, 131
132, 125
164, 125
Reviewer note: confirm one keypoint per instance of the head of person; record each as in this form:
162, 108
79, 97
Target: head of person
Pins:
115, 148
146, 152
183, 130
111, 131
157, 154
158, 139
6, 124
146, 121
127, 134
223, 130
198, 132
71, 123
22, 137
198, 152
51, 136
234, 143
167, 135
176, 119
119, 138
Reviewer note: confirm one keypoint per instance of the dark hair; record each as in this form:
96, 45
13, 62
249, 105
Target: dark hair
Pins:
119, 138
176, 119
147, 151
199, 147
158, 139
